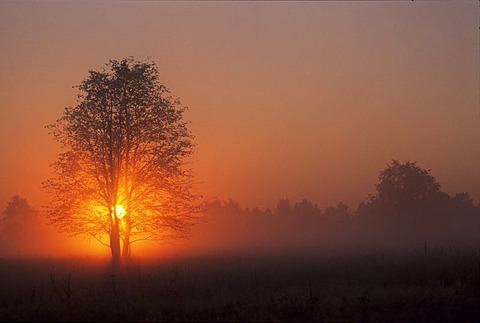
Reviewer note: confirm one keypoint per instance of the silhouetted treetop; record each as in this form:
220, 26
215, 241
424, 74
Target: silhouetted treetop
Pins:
18, 208
17, 214
400, 184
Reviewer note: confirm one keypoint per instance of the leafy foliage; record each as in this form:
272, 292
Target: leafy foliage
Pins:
16, 215
402, 186
124, 143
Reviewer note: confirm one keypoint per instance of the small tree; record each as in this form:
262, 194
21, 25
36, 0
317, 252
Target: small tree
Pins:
17, 213
337, 217
284, 207
409, 206
122, 175
20, 228
402, 186
306, 208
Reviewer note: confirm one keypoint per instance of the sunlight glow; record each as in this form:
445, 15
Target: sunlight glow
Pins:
120, 211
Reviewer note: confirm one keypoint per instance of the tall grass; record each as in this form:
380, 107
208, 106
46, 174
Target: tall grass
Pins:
422, 286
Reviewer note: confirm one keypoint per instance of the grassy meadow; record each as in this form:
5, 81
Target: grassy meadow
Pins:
428, 285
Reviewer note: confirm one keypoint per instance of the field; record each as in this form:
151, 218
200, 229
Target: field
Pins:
429, 285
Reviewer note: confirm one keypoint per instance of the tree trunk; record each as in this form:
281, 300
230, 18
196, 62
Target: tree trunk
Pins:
126, 238
126, 247
115, 245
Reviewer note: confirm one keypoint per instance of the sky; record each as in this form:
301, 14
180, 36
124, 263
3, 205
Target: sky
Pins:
286, 99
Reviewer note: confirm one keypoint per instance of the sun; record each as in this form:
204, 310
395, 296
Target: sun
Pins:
120, 211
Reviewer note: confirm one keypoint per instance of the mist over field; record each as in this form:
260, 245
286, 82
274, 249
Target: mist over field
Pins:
290, 228
248, 266
295, 262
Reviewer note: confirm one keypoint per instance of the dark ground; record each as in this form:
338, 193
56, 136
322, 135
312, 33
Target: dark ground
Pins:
439, 285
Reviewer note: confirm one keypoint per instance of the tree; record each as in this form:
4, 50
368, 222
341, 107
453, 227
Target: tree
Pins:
283, 207
19, 228
403, 186
462, 203
17, 213
340, 212
122, 175
306, 208
337, 217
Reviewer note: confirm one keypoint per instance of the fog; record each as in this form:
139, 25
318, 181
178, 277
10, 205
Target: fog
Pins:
292, 262
230, 229
408, 212
290, 228
26, 233
37, 239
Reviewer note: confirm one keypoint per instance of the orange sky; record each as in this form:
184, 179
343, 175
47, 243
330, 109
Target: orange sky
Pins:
287, 99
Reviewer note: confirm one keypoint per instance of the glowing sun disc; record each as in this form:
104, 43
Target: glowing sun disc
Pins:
120, 211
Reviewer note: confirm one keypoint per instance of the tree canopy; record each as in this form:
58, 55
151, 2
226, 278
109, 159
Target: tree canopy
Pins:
17, 212
122, 172
402, 185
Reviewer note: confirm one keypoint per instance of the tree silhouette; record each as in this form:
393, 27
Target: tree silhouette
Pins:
122, 175
402, 186
19, 228
283, 207
17, 213
306, 208
410, 206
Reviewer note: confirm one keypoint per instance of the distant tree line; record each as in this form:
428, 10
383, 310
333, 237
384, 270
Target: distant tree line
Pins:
408, 209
